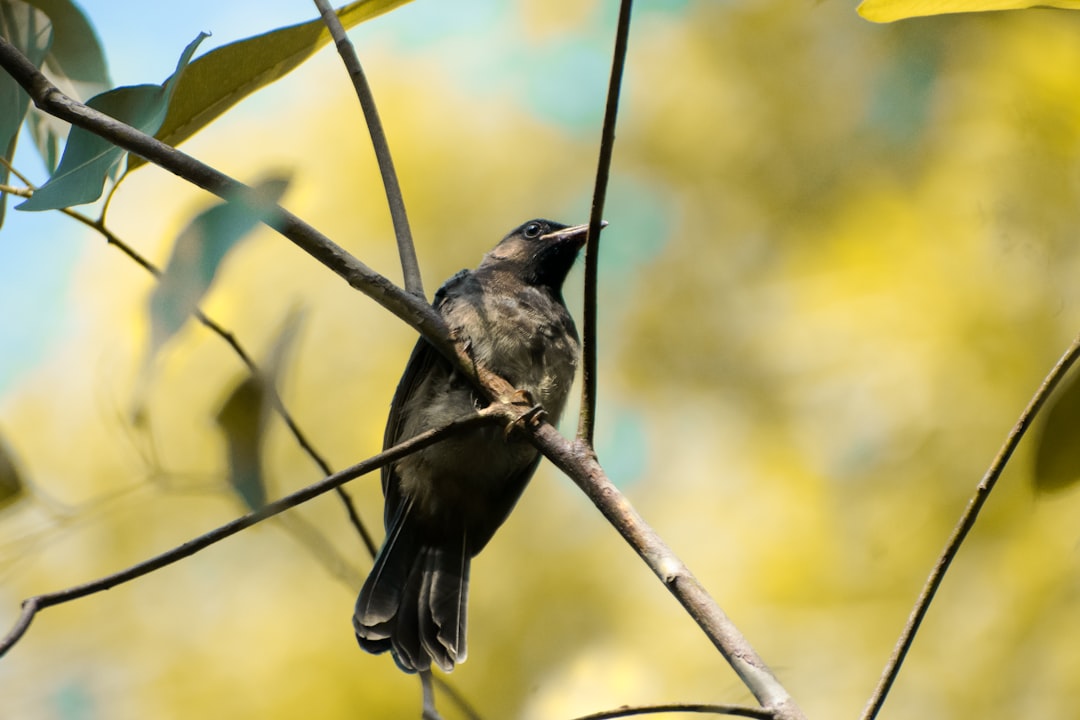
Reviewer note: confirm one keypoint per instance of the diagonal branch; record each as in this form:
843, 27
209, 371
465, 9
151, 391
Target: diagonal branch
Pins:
31, 606
410, 268
47, 97
578, 460
575, 459
587, 418
963, 527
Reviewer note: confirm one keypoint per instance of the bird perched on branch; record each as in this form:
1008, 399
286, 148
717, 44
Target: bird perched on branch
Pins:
443, 503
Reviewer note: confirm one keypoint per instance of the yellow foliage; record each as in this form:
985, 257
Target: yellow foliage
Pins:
883, 11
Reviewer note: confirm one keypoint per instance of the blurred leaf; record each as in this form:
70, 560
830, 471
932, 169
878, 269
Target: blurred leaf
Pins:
30, 32
76, 52
199, 252
225, 76
76, 64
11, 485
883, 11
243, 418
89, 159
278, 356
1057, 446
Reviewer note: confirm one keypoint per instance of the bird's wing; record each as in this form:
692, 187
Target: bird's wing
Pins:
423, 359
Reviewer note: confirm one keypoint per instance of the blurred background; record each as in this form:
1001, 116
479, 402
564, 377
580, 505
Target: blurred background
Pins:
841, 259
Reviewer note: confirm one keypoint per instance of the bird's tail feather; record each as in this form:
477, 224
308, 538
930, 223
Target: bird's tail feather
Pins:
380, 597
413, 601
442, 602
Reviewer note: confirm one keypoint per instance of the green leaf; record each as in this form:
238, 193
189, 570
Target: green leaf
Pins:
88, 159
225, 76
199, 252
48, 132
76, 64
76, 52
243, 418
30, 31
1057, 444
11, 484
883, 11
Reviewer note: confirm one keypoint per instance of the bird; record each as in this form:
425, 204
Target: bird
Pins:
442, 504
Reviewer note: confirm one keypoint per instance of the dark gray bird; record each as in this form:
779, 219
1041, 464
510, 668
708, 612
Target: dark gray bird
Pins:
445, 502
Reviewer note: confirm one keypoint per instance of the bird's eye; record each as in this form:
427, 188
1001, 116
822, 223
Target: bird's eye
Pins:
532, 230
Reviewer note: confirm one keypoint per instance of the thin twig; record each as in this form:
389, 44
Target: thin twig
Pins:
19, 191
963, 527
14, 171
230, 339
290, 422
587, 416
410, 268
31, 606
575, 459
627, 711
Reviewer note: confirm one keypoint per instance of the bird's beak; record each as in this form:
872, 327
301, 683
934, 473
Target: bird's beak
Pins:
577, 234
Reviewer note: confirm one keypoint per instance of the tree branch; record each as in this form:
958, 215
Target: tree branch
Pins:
735, 710
413, 310
963, 527
575, 459
587, 416
410, 268
31, 606
578, 460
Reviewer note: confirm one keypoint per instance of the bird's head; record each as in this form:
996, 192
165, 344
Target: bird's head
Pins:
539, 252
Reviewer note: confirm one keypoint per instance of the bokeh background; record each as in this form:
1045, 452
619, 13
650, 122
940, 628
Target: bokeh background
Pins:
841, 258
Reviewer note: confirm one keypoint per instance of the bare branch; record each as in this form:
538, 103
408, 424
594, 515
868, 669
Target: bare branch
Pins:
587, 417
410, 308
410, 268
575, 459
31, 606
963, 527
735, 710
578, 460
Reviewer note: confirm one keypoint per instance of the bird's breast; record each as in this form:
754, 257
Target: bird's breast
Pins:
529, 339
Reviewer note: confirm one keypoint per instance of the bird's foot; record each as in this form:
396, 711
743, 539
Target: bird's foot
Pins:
531, 416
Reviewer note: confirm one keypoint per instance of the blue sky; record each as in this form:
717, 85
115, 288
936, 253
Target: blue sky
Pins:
38, 251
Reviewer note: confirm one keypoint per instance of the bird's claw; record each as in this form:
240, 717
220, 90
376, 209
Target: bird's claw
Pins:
532, 416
